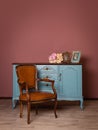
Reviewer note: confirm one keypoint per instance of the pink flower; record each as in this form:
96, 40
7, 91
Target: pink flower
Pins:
52, 56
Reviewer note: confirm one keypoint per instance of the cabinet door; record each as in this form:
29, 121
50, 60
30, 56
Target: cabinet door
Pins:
47, 71
71, 82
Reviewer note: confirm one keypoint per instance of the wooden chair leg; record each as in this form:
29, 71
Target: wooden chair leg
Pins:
36, 107
21, 109
28, 112
55, 106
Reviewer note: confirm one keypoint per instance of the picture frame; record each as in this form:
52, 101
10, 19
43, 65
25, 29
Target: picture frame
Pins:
75, 57
66, 57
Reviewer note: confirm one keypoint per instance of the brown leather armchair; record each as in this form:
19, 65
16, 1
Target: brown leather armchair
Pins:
29, 92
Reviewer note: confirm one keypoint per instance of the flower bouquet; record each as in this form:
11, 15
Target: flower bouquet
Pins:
56, 58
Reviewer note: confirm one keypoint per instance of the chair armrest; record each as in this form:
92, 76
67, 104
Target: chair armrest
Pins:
52, 83
22, 86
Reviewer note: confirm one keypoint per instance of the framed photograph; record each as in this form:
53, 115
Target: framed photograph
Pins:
76, 56
66, 57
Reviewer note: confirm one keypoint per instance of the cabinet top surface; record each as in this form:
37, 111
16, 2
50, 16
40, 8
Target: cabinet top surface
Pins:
44, 63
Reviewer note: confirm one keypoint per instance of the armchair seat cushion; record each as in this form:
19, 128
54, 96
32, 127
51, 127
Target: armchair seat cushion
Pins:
38, 96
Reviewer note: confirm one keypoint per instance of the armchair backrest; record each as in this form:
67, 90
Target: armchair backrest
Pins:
27, 74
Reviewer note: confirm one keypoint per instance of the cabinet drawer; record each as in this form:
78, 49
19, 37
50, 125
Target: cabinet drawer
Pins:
47, 68
49, 76
48, 71
45, 86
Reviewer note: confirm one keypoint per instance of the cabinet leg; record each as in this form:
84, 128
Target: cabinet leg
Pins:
14, 103
81, 104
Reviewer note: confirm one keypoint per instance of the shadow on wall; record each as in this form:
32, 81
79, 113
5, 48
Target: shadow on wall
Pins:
87, 78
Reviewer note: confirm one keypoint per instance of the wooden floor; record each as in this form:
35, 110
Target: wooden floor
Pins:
70, 117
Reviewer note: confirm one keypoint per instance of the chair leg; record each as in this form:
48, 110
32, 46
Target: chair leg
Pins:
36, 107
55, 106
21, 109
28, 112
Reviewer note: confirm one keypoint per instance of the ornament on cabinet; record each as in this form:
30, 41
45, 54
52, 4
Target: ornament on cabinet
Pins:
56, 58
76, 55
66, 57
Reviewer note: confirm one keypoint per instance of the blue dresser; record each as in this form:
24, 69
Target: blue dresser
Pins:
68, 81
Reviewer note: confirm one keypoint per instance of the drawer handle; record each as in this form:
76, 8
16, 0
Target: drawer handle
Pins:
47, 84
46, 68
46, 77
60, 77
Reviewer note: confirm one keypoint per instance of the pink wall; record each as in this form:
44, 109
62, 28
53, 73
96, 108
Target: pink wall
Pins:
30, 30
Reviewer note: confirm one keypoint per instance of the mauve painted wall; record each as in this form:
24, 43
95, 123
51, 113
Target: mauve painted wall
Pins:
30, 30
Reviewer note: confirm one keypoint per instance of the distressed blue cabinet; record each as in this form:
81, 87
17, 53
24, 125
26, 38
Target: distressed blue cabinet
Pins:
68, 81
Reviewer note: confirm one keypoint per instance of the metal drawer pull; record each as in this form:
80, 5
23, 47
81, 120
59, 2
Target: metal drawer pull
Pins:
47, 77
46, 68
60, 77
